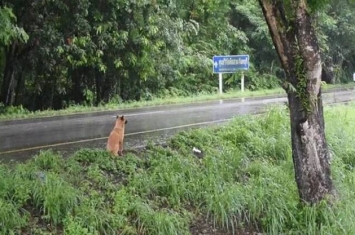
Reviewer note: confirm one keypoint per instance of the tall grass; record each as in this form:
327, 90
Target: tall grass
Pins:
245, 179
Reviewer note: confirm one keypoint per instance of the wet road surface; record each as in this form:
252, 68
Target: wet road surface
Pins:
21, 139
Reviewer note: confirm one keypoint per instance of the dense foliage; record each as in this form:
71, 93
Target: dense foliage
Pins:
243, 183
57, 53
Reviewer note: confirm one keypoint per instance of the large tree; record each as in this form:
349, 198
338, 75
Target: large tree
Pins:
292, 30
10, 34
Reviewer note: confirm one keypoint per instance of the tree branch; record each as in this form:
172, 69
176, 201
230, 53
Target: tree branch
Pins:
273, 11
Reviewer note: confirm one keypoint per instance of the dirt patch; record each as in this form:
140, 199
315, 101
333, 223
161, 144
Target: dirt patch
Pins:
203, 226
37, 224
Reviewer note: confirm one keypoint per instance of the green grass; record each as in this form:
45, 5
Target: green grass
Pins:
21, 113
245, 181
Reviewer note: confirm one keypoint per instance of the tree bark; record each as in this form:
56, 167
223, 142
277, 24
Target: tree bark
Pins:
8, 77
310, 152
19, 88
297, 47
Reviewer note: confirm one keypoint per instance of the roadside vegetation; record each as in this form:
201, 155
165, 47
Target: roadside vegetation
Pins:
15, 112
19, 112
242, 182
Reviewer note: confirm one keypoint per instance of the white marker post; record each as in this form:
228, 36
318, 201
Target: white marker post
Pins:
220, 83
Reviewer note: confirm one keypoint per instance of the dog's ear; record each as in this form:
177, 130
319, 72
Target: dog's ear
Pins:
125, 122
117, 116
122, 117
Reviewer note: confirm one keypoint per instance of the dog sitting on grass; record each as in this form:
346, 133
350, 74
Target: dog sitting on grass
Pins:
115, 139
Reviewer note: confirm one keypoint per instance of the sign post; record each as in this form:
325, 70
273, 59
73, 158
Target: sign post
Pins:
220, 79
242, 83
230, 64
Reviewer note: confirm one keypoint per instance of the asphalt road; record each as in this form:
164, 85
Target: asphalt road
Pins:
21, 139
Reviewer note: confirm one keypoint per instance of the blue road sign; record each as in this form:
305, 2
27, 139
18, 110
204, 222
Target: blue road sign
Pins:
230, 63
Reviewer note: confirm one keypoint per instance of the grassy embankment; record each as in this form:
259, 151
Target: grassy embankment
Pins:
19, 112
243, 182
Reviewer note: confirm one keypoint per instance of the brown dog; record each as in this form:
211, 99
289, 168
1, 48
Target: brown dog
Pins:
115, 140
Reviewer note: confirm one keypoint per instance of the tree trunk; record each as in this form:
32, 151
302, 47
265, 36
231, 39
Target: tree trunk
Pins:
311, 157
98, 86
328, 75
8, 77
297, 47
19, 88
77, 88
9, 83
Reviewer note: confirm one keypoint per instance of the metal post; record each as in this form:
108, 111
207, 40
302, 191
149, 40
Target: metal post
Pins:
242, 85
220, 83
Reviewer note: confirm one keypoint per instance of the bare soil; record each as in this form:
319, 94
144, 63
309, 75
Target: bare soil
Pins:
204, 226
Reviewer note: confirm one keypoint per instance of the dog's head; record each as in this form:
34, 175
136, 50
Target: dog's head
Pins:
121, 121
